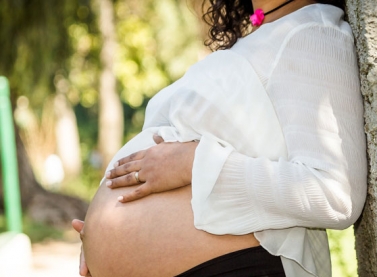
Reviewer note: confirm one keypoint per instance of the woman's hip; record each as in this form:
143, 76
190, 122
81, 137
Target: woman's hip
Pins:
250, 262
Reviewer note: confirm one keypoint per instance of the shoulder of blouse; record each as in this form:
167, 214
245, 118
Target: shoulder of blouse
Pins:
263, 47
278, 31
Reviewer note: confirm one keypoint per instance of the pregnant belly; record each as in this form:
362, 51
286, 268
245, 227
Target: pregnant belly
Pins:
154, 236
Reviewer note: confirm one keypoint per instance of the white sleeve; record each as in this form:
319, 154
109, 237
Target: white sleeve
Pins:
315, 91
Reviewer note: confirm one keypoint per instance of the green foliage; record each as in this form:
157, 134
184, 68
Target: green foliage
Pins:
34, 45
37, 232
156, 45
51, 47
83, 64
86, 185
156, 42
343, 254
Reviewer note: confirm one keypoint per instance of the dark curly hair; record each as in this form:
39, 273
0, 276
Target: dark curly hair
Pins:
229, 20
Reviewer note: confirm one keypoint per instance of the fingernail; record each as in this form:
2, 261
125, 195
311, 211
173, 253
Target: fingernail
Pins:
108, 174
116, 164
108, 183
81, 270
120, 198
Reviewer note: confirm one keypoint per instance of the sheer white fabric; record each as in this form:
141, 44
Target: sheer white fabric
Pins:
282, 150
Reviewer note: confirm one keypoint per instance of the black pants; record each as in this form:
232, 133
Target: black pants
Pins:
250, 262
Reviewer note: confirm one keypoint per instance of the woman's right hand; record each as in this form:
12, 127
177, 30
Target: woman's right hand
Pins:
163, 167
78, 225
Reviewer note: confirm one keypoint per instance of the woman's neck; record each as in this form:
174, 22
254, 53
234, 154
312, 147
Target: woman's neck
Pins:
267, 6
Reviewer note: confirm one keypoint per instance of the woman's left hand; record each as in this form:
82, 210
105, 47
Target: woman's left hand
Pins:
163, 167
78, 225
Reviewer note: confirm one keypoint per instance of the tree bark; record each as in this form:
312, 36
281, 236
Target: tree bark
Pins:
362, 16
110, 106
41, 205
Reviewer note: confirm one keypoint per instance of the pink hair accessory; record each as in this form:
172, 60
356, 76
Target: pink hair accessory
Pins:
257, 17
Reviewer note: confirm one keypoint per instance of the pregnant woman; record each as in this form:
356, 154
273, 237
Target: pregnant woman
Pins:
260, 148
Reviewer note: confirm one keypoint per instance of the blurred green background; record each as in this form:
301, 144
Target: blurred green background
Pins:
53, 54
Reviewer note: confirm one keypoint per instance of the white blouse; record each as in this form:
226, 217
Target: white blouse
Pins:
279, 119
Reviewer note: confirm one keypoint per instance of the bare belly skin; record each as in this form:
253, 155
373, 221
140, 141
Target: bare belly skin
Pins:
154, 236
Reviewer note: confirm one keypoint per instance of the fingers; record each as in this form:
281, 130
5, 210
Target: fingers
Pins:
158, 139
125, 181
123, 169
83, 267
78, 225
133, 157
140, 192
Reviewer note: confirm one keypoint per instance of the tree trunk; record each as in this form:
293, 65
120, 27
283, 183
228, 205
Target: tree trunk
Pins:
362, 15
67, 137
41, 205
110, 106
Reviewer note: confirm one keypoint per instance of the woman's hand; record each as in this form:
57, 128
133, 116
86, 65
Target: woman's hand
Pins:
163, 167
78, 225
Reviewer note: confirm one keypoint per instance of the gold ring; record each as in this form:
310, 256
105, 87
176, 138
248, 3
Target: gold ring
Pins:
137, 177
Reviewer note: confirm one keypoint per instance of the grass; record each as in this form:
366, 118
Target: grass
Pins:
37, 232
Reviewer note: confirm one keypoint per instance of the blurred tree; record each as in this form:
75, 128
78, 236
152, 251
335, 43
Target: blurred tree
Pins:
35, 47
110, 107
40, 204
51, 55
157, 42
